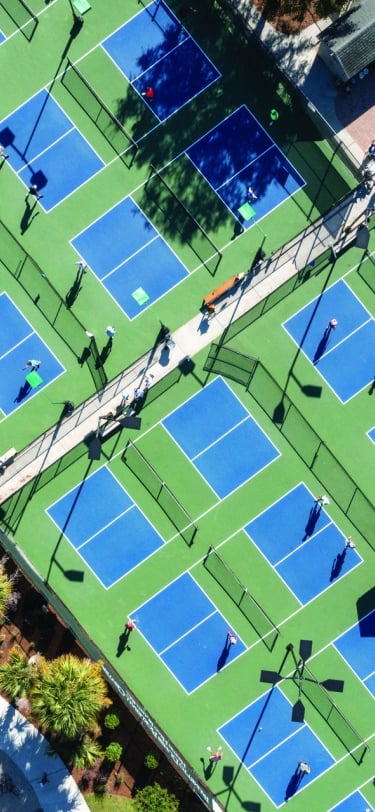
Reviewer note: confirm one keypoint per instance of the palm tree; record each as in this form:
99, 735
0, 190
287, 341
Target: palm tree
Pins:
81, 753
68, 695
16, 675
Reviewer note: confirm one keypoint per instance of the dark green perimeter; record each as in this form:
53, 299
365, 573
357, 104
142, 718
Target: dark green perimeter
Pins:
248, 77
191, 722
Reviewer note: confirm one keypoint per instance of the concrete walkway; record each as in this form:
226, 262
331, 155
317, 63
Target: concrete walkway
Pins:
23, 760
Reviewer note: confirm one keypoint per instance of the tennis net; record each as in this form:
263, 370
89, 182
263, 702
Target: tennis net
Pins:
159, 490
178, 214
241, 596
338, 722
93, 105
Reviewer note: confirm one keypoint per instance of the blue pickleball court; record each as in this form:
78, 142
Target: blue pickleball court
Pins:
270, 746
357, 646
130, 257
220, 438
356, 802
20, 343
104, 525
42, 141
154, 50
344, 356
188, 632
302, 544
237, 154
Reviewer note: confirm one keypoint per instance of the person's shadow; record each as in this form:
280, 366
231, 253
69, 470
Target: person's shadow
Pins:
293, 784
104, 353
337, 565
322, 346
312, 520
76, 288
23, 391
224, 655
123, 642
209, 768
28, 216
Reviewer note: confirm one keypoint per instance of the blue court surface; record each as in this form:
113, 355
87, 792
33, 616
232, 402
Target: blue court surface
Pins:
239, 153
42, 142
357, 647
353, 803
271, 746
104, 525
371, 434
302, 544
344, 356
220, 437
188, 632
19, 343
154, 50
2, 37
130, 257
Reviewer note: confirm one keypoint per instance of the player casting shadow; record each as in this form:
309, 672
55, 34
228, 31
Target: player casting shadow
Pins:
76, 288
337, 565
23, 392
322, 346
224, 655
123, 642
107, 349
86, 352
312, 520
372, 388
209, 768
293, 783
28, 216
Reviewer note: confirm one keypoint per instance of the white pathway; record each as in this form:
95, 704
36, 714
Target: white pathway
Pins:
24, 758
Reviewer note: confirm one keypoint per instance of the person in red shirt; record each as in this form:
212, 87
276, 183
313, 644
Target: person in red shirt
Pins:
149, 93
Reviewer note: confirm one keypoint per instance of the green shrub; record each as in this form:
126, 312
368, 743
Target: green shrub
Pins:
111, 721
113, 752
151, 762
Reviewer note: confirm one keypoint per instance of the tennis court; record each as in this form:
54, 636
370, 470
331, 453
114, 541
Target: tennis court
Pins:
204, 520
217, 449
42, 142
343, 355
237, 155
270, 745
99, 516
155, 50
124, 249
188, 633
303, 545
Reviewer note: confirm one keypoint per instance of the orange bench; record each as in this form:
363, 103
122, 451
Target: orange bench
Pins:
223, 289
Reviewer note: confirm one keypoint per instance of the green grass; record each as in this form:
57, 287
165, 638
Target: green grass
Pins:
248, 77
108, 803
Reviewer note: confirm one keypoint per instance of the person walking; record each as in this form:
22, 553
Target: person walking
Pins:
32, 365
3, 154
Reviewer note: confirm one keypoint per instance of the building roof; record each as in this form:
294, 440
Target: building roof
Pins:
352, 37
